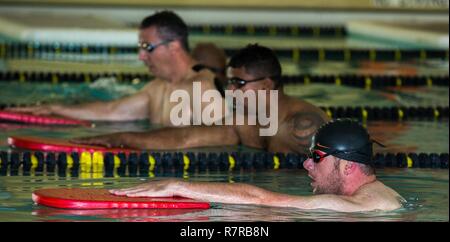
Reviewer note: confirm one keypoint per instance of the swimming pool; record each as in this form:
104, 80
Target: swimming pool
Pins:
426, 190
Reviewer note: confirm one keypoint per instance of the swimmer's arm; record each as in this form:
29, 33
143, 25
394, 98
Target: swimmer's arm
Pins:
184, 137
249, 194
128, 108
236, 193
168, 138
325, 201
239, 193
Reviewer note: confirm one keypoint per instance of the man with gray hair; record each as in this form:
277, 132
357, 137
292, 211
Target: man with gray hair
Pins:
164, 49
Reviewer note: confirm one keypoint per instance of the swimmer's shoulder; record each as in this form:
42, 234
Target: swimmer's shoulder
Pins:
302, 121
379, 196
154, 84
300, 113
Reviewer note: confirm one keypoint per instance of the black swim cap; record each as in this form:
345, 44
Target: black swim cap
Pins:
345, 139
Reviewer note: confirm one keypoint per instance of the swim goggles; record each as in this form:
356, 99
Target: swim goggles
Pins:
241, 82
149, 47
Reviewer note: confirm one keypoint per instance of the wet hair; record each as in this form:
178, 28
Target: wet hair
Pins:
169, 26
258, 61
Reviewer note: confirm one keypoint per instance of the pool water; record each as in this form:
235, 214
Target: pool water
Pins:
426, 192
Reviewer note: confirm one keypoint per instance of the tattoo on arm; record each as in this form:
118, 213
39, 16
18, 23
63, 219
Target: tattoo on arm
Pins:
304, 126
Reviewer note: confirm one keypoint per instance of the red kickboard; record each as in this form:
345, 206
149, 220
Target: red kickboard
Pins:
77, 198
58, 145
37, 119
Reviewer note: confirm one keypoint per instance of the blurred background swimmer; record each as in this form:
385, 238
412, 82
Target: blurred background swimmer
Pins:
253, 68
164, 49
212, 57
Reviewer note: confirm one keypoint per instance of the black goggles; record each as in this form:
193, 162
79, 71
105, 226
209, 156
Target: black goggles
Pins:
238, 82
149, 47
317, 155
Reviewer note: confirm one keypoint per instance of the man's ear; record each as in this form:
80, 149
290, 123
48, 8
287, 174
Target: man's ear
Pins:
350, 168
175, 45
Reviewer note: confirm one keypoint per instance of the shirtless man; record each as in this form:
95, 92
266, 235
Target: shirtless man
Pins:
252, 68
340, 166
163, 47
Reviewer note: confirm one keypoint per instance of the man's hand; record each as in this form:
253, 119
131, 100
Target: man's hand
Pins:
164, 188
36, 110
109, 141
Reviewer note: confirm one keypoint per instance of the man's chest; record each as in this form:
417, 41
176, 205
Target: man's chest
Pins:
168, 103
